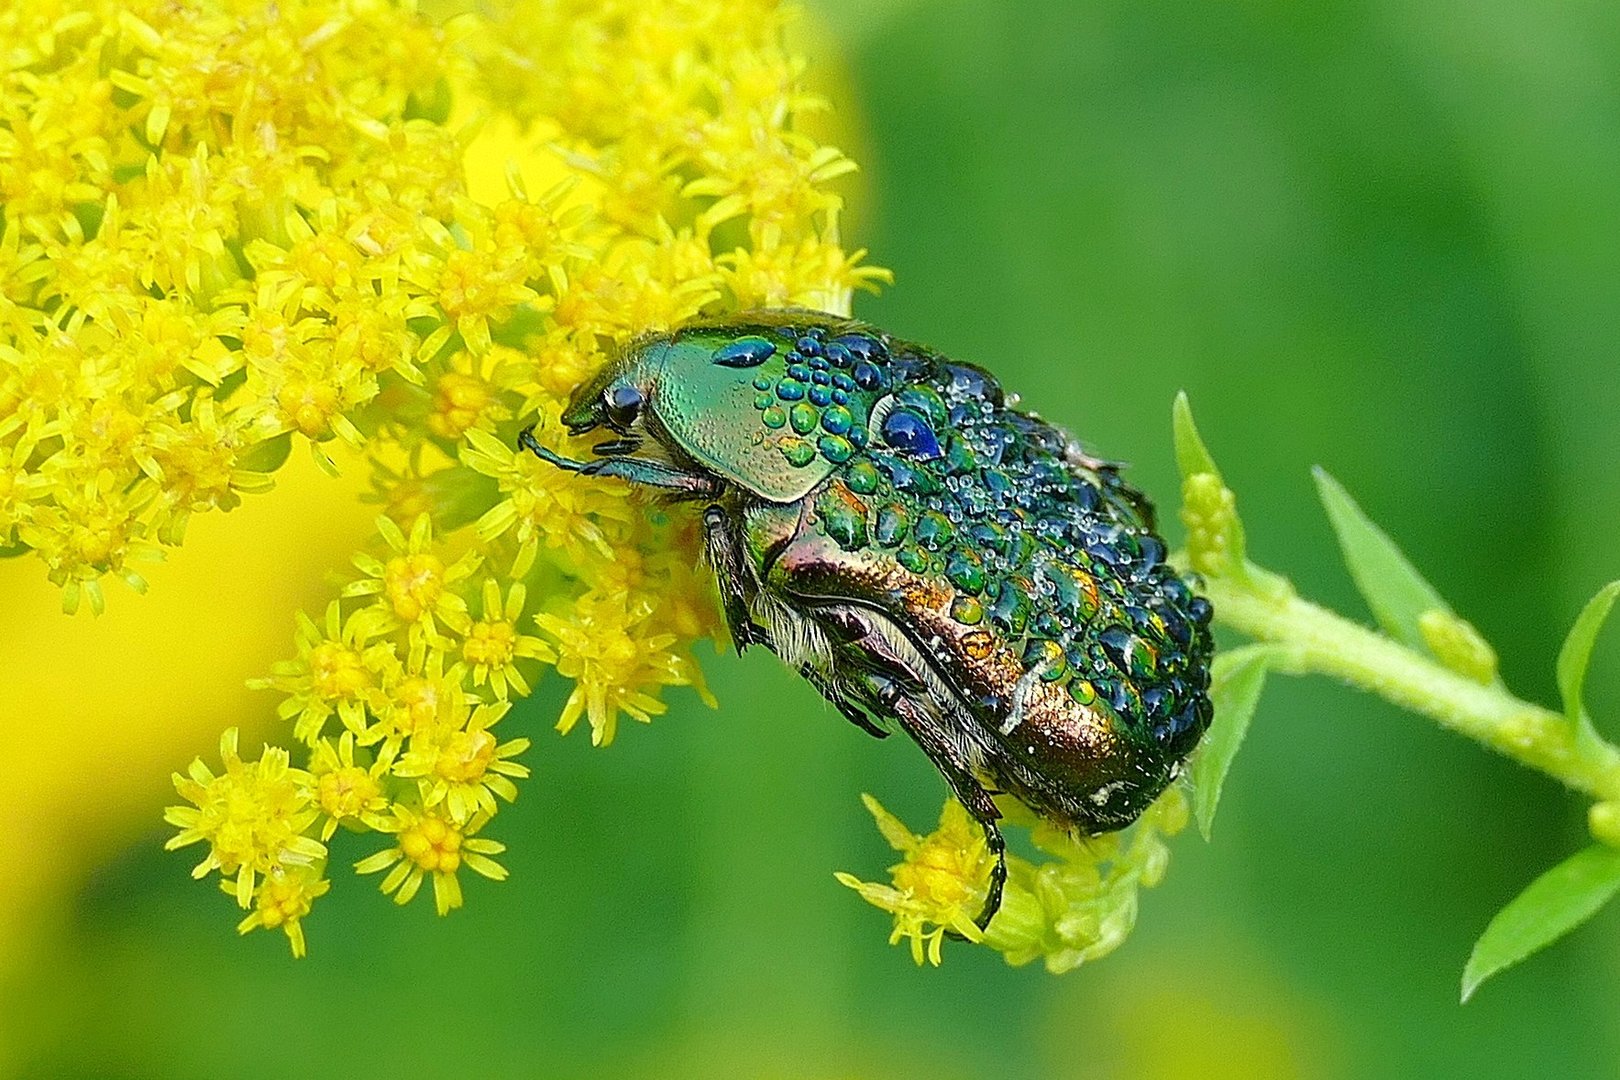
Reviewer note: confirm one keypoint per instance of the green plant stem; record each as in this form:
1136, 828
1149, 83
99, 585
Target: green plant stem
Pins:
1310, 640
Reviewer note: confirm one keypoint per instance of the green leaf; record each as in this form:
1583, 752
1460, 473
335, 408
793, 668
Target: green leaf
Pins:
1394, 590
1577, 654
1237, 678
459, 496
1553, 905
266, 456
1192, 456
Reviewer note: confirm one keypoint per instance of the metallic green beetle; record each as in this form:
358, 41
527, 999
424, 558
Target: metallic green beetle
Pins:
929, 556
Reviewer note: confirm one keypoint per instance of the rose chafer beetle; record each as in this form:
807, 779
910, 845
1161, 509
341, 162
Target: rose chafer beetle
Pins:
929, 556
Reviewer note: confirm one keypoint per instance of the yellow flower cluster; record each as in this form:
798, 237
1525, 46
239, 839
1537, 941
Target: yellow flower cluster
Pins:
228, 226
1077, 907
939, 885
231, 226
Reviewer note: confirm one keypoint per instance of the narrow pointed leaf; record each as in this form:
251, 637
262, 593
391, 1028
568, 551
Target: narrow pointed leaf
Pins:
1192, 456
1397, 594
1577, 654
1550, 907
1235, 686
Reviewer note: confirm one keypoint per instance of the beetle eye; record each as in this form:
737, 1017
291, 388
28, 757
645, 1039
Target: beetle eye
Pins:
622, 403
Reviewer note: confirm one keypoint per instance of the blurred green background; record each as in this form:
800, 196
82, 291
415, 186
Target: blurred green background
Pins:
1378, 236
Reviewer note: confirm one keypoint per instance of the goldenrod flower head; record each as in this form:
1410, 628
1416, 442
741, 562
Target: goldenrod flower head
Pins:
461, 765
618, 657
464, 399
1082, 905
339, 670
569, 513
1077, 907
282, 900
414, 699
87, 530
431, 844
413, 586
253, 816
493, 644
939, 885
349, 792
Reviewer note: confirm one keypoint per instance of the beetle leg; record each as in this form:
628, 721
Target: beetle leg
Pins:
734, 576
893, 687
865, 646
878, 669
923, 725
651, 473
847, 700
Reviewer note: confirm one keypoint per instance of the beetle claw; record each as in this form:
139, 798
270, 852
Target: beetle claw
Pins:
998, 874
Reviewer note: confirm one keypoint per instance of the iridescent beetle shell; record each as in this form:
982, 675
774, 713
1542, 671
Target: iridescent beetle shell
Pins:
929, 556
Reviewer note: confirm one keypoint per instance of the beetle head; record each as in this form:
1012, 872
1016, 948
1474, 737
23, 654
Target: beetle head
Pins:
617, 396
689, 398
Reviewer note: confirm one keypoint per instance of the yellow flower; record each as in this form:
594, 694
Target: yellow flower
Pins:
282, 900
462, 766
463, 400
940, 884
492, 645
560, 361
565, 511
1082, 905
414, 588
430, 844
18, 488
617, 657
421, 479
339, 670
253, 816
415, 698
474, 286
86, 531
1077, 907
812, 272
199, 463
348, 792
